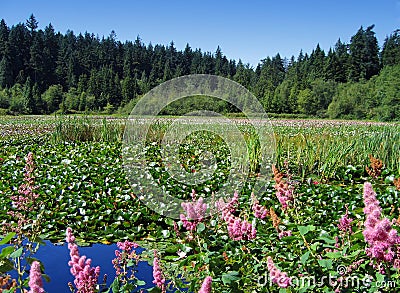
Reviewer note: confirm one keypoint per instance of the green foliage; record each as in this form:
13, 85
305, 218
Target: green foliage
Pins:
18, 103
82, 73
391, 49
387, 94
5, 98
53, 98
376, 99
364, 55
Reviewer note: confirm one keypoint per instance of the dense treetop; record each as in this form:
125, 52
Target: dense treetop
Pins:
43, 71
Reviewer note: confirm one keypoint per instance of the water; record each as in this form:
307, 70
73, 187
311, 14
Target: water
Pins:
55, 260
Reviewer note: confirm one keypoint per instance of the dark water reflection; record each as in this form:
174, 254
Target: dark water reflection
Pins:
55, 260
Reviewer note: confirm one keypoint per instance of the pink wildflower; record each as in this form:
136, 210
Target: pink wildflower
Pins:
396, 262
284, 190
35, 279
285, 233
238, 229
120, 262
278, 277
378, 233
195, 211
345, 222
24, 202
86, 277
127, 245
260, 211
159, 280
230, 206
206, 286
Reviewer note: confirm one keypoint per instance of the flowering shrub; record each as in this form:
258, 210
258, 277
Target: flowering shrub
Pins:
159, 279
195, 211
284, 191
23, 232
206, 286
278, 277
86, 277
378, 233
35, 278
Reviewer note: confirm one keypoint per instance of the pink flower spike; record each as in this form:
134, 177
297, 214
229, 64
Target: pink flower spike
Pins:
260, 211
378, 233
86, 277
206, 286
35, 279
345, 222
159, 280
277, 276
195, 211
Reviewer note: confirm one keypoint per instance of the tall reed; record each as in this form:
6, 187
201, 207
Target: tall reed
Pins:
77, 129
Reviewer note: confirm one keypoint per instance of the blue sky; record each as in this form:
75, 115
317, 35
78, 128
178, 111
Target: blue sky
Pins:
250, 30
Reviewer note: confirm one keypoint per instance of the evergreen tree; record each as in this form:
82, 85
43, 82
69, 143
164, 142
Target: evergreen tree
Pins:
336, 63
37, 61
316, 63
4, 32
32, 24
364, 58
50, 51
5, 73
218, 62
167, 71
186, 60
391, 49
19, 46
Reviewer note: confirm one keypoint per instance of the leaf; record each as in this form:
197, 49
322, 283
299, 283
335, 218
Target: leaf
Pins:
6, 251
154, 290
140, 283
325, 263
229, 277
379, 277
7, 238
305, 229
46, 278
327, 239
115, 286
305, 257
6, 265
200, 227
334, 255
17, 253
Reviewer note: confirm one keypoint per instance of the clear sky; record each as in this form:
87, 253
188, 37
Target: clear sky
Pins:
250, 30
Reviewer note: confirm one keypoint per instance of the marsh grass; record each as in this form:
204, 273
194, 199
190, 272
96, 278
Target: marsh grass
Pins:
316, 148
79, 129
325, 151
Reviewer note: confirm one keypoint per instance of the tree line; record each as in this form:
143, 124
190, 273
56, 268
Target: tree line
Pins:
43, 71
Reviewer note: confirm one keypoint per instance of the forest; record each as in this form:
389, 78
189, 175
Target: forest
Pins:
44, 72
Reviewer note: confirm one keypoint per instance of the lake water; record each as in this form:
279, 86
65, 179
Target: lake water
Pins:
55, 260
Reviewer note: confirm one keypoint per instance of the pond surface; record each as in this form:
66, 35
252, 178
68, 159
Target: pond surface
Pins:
55, 260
